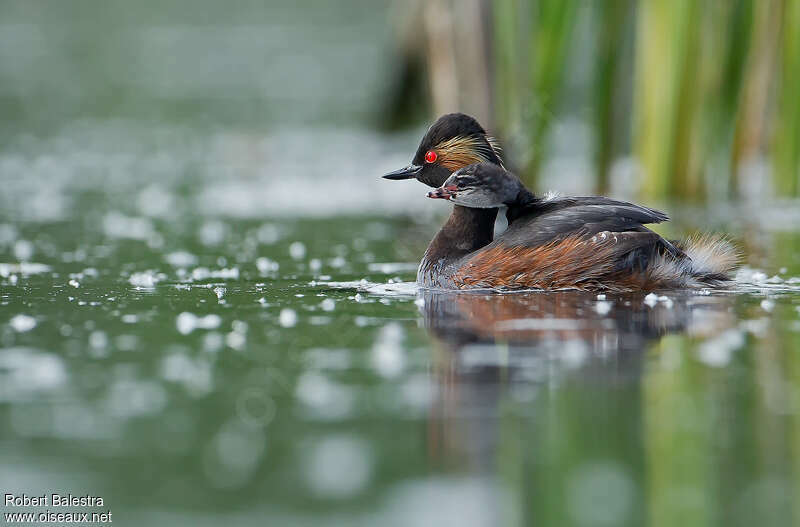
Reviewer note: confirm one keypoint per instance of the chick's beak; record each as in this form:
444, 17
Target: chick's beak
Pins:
443, 192
408, 172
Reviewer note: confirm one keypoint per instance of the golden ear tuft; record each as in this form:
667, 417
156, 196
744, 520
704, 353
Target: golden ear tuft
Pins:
462, 151
494, 144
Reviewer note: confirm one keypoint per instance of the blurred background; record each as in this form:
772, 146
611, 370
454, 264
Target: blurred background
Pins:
668, 99
695, 98
205, 307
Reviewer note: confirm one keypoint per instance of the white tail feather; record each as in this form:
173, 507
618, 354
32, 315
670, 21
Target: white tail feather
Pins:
709, 257
711, 254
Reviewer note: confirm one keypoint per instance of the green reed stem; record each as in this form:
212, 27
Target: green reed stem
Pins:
786, 141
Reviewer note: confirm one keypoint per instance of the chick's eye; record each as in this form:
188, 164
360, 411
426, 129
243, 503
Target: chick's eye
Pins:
464, 181
430, 156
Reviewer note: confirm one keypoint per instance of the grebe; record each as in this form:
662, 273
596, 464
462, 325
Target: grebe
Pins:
551, 243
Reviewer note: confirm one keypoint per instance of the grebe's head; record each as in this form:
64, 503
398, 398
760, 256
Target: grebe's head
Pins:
482, 186
453, 142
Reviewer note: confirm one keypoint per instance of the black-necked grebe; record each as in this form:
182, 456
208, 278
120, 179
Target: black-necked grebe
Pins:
551, 243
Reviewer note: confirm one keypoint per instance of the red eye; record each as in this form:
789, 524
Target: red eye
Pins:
430, 156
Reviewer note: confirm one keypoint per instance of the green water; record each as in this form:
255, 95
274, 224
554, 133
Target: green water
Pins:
194, 369
206, 314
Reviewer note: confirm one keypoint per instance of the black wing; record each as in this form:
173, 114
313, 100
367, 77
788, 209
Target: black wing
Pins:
610, 207
552, 220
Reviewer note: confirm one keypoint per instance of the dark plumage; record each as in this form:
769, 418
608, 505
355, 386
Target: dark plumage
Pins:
458, 141
452, 126
575, 242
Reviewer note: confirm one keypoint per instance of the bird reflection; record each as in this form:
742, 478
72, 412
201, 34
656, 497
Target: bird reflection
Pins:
600, 323
491, 346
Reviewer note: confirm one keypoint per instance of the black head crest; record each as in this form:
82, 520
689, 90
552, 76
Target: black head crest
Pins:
454, 141
447, 127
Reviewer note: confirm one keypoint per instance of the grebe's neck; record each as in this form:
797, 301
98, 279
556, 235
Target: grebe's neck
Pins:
523, 204
466, 230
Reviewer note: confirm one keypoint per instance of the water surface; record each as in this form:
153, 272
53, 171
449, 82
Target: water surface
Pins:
193, 365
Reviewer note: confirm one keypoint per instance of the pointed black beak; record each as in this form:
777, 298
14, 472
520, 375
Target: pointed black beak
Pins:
408, 172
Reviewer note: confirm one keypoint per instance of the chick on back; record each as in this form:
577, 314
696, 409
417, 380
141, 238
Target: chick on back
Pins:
588, 242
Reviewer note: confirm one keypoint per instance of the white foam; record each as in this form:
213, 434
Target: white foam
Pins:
752, 280
394, 289
117, 225
603, 307
212, 232
265, 265
181, 259
393, 267
339, 466
388, 355
324, 397
237, 338
287, 318
297, 250
717, 351
187, 322
203, 273
146, 279
651, 299
22, 323
29, 370
538, 324
23, 250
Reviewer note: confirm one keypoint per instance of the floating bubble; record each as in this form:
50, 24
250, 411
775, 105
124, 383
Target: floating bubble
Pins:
287, 318
25, 370
22, 323
388, 355
297, 250
131, 398
146, 279
203, 273
255, 407
717, 351
339, 466
233, 455
603, 307
23, 268
265, 265
23, 250
181, 259
212, 232
188, 322
326, 398
193, 373
117, 225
